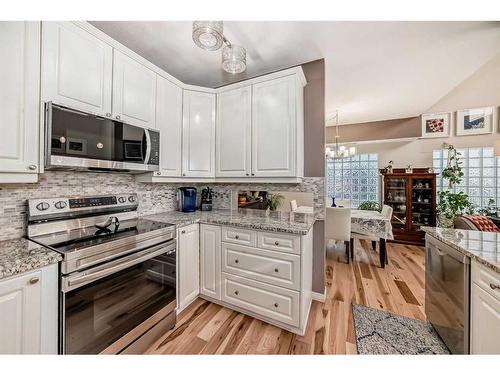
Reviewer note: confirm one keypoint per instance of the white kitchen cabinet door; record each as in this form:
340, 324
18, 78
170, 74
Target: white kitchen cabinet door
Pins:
234, 133
28, 311
274, 120
210, 261
134, 91
485, 322
77, 68
188, 250
169, 123
198, 134
19, 97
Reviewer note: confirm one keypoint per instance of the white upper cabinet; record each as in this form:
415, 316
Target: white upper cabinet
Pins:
134, 91
20, 101
274, 117
198, 134
234, 133
76, 68
169, 123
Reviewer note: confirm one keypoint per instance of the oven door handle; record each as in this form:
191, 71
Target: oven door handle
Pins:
85, 277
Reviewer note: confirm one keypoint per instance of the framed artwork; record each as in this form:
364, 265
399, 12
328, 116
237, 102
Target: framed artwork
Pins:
475, 121
436, 125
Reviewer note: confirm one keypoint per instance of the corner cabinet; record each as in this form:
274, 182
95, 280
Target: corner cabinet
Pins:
188, 255
77, 68
20, 101
29, 310
134, 91
198, 134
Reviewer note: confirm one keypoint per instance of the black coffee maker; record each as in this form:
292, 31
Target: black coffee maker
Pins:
206, 199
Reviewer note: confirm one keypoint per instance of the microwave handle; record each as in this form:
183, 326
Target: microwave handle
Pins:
48, 132
148, 147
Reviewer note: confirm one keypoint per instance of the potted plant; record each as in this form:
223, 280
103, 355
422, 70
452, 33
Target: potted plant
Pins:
452, 204
370, 206
274, 201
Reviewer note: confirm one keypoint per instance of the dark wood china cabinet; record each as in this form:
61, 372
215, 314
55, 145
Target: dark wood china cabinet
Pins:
413, 199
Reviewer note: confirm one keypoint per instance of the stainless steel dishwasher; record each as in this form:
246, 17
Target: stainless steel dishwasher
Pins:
447, 291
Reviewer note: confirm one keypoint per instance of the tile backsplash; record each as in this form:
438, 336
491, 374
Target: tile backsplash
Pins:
153, 198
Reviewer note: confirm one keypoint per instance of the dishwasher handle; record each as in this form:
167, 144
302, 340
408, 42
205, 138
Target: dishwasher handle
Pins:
445, 250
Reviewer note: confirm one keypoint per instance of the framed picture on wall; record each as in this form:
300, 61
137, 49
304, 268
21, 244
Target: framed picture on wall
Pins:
475, 121
436, 125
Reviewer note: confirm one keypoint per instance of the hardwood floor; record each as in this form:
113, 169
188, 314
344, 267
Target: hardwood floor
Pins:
206, 328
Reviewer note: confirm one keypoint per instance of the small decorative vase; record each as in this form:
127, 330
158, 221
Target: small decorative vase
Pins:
444, 222
333, 202
268, 211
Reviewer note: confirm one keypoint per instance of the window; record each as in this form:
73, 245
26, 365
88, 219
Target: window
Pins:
481, 172
354, 179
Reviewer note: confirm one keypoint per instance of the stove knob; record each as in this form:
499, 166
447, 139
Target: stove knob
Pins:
42, 206
131, 199
121, 199
60, 205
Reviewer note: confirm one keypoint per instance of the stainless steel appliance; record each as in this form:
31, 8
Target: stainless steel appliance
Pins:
79, 140
118, 274
447, 291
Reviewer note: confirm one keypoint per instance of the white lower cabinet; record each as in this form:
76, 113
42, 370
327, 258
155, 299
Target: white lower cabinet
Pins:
28, 312
485, 311
210, 261
188, 255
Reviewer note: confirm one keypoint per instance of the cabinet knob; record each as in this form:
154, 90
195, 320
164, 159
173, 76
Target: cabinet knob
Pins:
253, 174
183, 174
236, 292
248, 174
276, 270
183, 231
276, 243
237, 237
117, 117
236, 261
32, 167
276, 305
108, 114
34, 280
494, 286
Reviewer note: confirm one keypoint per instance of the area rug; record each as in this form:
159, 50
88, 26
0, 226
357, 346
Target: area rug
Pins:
381, 332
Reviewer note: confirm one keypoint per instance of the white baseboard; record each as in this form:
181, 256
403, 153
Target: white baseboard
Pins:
320, 297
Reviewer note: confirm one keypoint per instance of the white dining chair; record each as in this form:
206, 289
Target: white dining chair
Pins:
387, 213
338, 226
293, 205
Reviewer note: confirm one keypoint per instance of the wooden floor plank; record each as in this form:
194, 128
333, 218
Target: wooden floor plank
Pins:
207, 328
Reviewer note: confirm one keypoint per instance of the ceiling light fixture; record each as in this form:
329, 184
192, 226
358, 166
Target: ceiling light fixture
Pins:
339, 151
209, 36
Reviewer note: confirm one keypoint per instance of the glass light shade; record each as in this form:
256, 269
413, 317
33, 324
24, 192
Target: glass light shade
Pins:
352, 150
328, 150
341, 149
234, 59
208, 34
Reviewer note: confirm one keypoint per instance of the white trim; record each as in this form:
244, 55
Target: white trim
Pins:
243, 180
319, 297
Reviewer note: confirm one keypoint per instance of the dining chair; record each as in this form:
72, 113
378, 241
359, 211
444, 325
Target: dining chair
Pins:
338, 226
387, 213
293, 205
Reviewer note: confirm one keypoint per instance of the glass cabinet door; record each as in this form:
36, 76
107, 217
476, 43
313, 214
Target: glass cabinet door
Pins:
421, 202
396, 198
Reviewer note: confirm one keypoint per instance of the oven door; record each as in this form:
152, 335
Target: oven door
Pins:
107, 308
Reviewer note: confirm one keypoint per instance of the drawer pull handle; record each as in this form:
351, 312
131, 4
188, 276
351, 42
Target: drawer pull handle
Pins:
276, 270
276, 305
237, 237
494, 286
236, 292
236, 261
34, 280
183, 231
276, 243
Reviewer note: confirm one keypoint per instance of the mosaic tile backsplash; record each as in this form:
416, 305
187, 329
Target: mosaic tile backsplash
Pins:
153, 198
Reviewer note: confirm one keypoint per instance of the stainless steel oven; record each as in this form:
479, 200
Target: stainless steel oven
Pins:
79, 140
118, 273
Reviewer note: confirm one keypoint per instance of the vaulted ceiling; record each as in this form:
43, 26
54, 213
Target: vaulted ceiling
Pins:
374, 70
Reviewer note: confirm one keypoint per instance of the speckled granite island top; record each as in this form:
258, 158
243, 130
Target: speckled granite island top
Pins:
21, 255
250, 219
481, 246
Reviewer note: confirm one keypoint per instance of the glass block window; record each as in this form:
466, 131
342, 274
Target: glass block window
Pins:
354, 179
481, 171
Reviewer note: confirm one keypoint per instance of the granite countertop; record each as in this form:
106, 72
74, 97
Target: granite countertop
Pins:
481, 246
21, 255
286, 222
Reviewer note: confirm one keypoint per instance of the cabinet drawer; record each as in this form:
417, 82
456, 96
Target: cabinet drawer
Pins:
239, 236
270, 301
279, 241
487, 279
262, 265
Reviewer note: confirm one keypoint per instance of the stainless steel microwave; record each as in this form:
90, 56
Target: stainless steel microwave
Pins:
79, 140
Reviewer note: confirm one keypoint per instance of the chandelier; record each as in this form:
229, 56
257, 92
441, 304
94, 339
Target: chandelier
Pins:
339, 151
209, 36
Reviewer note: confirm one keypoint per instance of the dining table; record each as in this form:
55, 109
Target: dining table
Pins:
374, 225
